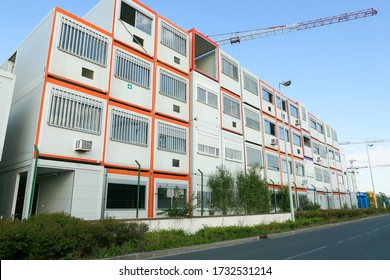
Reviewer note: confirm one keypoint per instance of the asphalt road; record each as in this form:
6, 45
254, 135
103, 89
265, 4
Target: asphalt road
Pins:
367, 239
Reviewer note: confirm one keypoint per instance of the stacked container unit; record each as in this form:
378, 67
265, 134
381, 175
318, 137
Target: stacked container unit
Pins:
205, 118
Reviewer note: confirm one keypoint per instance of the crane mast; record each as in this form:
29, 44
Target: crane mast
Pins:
237, 37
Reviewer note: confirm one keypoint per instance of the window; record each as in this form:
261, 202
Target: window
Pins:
327, 130
233, 154
250, 84
209, 150
208, 144
129, 128
75, 111
316, 148
293, 111
284, 168
171, 196
207, 97
252, 119
323, 151
83, 42
334, 135
174, 39
299, 169
253, 156
281, 134
121, 196
267, 96
269, 128
331, 154
306, 141
229, 68
231, 107
272, 162
281, 103
172, 138
320, 128
132, 69
303, 113
318, 174
338, 157
340, 179
136, 18
296, 140
173, 86
313, 124
326, 176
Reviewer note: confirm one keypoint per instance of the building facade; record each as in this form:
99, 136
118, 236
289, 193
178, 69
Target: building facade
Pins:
124, 102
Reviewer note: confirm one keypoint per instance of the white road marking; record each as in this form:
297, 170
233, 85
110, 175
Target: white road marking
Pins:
374, 230
386, 226
306, 253
350, 238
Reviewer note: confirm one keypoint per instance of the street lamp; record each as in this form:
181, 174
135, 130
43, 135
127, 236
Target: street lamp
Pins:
286, 84
372, 178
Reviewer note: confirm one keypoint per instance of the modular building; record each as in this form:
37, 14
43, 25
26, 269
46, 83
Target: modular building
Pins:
123, 95
7, 81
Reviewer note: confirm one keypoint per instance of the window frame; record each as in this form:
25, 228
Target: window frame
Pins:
229, 68
232, 101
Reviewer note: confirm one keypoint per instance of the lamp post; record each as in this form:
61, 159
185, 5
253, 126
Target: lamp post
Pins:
286, 84
372, 178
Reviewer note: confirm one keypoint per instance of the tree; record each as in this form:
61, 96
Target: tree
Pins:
253, 191
221, 184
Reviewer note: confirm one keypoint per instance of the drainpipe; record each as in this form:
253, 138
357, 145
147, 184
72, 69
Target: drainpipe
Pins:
296, 196
273, 187
34, 181
315, 192
138, 188
327, 196
201, 192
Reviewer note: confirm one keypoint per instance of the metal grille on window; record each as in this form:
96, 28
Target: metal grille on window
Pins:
172, 138
132, 69
129, 128
73, 111
83, 42
173, 86
173, 39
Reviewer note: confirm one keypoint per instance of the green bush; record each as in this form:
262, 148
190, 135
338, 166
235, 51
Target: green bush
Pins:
59, 236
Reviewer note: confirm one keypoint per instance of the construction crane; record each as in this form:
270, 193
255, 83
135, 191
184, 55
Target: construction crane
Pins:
237, 37
367, 166
370, 141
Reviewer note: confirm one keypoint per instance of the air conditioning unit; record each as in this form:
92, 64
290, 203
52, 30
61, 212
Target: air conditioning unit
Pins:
318, 159
297, 122
304, 182
82, 145
274, 141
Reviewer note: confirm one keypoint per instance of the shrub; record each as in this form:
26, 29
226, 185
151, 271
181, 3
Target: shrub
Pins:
222, 188
60, 236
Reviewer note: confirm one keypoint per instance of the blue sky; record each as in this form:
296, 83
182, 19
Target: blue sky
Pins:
339, 72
